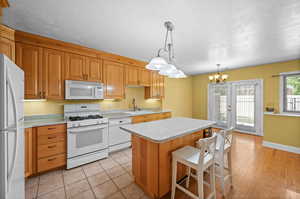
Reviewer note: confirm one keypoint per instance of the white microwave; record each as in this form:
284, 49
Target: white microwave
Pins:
83, 90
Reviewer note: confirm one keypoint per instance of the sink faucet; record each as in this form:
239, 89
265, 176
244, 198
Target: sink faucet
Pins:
135, 108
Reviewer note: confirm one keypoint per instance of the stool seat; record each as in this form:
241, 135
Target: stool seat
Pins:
191, 155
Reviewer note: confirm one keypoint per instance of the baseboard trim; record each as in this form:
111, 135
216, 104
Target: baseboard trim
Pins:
282, 147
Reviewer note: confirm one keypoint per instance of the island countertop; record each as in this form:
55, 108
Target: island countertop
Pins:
167, 129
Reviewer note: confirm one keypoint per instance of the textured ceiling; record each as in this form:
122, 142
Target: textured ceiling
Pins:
234, 33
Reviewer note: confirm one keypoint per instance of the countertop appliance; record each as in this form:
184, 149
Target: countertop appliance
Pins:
11, 130
118, 138
87, 133
83, 90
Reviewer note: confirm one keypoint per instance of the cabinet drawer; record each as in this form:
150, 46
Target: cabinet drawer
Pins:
51, 149
138, 119
45, 164
52, 138
47, 130
165, 115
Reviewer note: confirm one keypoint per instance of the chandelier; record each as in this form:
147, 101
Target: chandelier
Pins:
166, 67
218, 77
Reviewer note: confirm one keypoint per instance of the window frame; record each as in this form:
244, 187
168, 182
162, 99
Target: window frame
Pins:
283, 96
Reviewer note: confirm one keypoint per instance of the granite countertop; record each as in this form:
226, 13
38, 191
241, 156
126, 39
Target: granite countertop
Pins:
52, 119
43, 120
163, 130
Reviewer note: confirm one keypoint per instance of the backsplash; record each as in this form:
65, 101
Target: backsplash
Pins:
56, 106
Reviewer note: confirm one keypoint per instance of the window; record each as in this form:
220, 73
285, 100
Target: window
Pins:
291, 92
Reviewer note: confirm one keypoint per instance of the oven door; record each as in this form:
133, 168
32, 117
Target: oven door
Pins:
83, 140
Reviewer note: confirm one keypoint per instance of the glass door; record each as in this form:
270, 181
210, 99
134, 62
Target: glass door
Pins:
237, 104
219, 104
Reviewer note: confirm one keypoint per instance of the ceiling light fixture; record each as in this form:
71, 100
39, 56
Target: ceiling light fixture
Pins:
158, 63
218, 77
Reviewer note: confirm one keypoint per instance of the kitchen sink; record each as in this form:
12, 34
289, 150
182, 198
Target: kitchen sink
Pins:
141, 112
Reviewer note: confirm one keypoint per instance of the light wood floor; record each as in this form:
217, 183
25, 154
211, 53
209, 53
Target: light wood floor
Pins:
260, 172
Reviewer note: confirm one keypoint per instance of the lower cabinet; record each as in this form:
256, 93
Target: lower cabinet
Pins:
45, 148
151, 117
30, 152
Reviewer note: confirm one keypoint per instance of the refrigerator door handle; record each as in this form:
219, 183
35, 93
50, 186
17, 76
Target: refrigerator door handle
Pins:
11, 169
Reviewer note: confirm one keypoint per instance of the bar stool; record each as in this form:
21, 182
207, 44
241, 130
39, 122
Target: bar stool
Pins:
223, 147
199, 159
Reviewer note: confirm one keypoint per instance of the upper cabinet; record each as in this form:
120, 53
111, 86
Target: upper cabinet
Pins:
144, 77
7, 42
93, 69
53, 78
83, 68
47, 63
156, 90
75, 67
29, 58
113, 79
137, 76
132, 75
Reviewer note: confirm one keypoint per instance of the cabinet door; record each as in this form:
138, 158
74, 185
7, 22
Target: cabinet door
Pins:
155, 85
29, 58
161, 86
144, 77
93, 69
30, 152
114, 79
53, 81
132, 75
75, 67
7, 47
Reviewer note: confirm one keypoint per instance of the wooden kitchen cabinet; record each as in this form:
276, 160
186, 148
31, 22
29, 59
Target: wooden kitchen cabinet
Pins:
113, 80
30, 152
75, 67
7, 47
7, 43
151, 117
51, 147
93, 69
53, 78
132, 75
156, 89
144, 77
29, 58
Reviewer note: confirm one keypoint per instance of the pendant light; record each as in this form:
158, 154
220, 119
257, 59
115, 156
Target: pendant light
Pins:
159, 63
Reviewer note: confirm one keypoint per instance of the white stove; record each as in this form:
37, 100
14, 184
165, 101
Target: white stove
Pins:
87, 133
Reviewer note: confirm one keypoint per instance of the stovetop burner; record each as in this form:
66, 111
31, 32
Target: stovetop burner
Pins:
79, 118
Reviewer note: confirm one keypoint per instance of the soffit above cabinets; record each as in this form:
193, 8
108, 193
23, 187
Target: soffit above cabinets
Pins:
234, 33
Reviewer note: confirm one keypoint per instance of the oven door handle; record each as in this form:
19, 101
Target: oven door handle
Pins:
84, 129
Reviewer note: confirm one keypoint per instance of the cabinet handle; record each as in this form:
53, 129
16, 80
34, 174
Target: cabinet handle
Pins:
51, 128
51, 159
51, 147
40, 94
50, 138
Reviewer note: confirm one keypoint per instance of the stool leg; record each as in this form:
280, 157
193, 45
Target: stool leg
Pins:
222, 178
212, 180
230, 167
187, 183
174, 175
200, 184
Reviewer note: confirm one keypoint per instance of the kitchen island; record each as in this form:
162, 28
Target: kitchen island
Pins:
152, 147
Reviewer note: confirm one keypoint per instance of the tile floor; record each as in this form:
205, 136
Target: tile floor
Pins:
107, 178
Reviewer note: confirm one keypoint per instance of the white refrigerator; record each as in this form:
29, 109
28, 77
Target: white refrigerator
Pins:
11, 130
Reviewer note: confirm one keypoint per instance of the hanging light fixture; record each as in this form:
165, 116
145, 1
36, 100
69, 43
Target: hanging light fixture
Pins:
160, 64
218, 77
